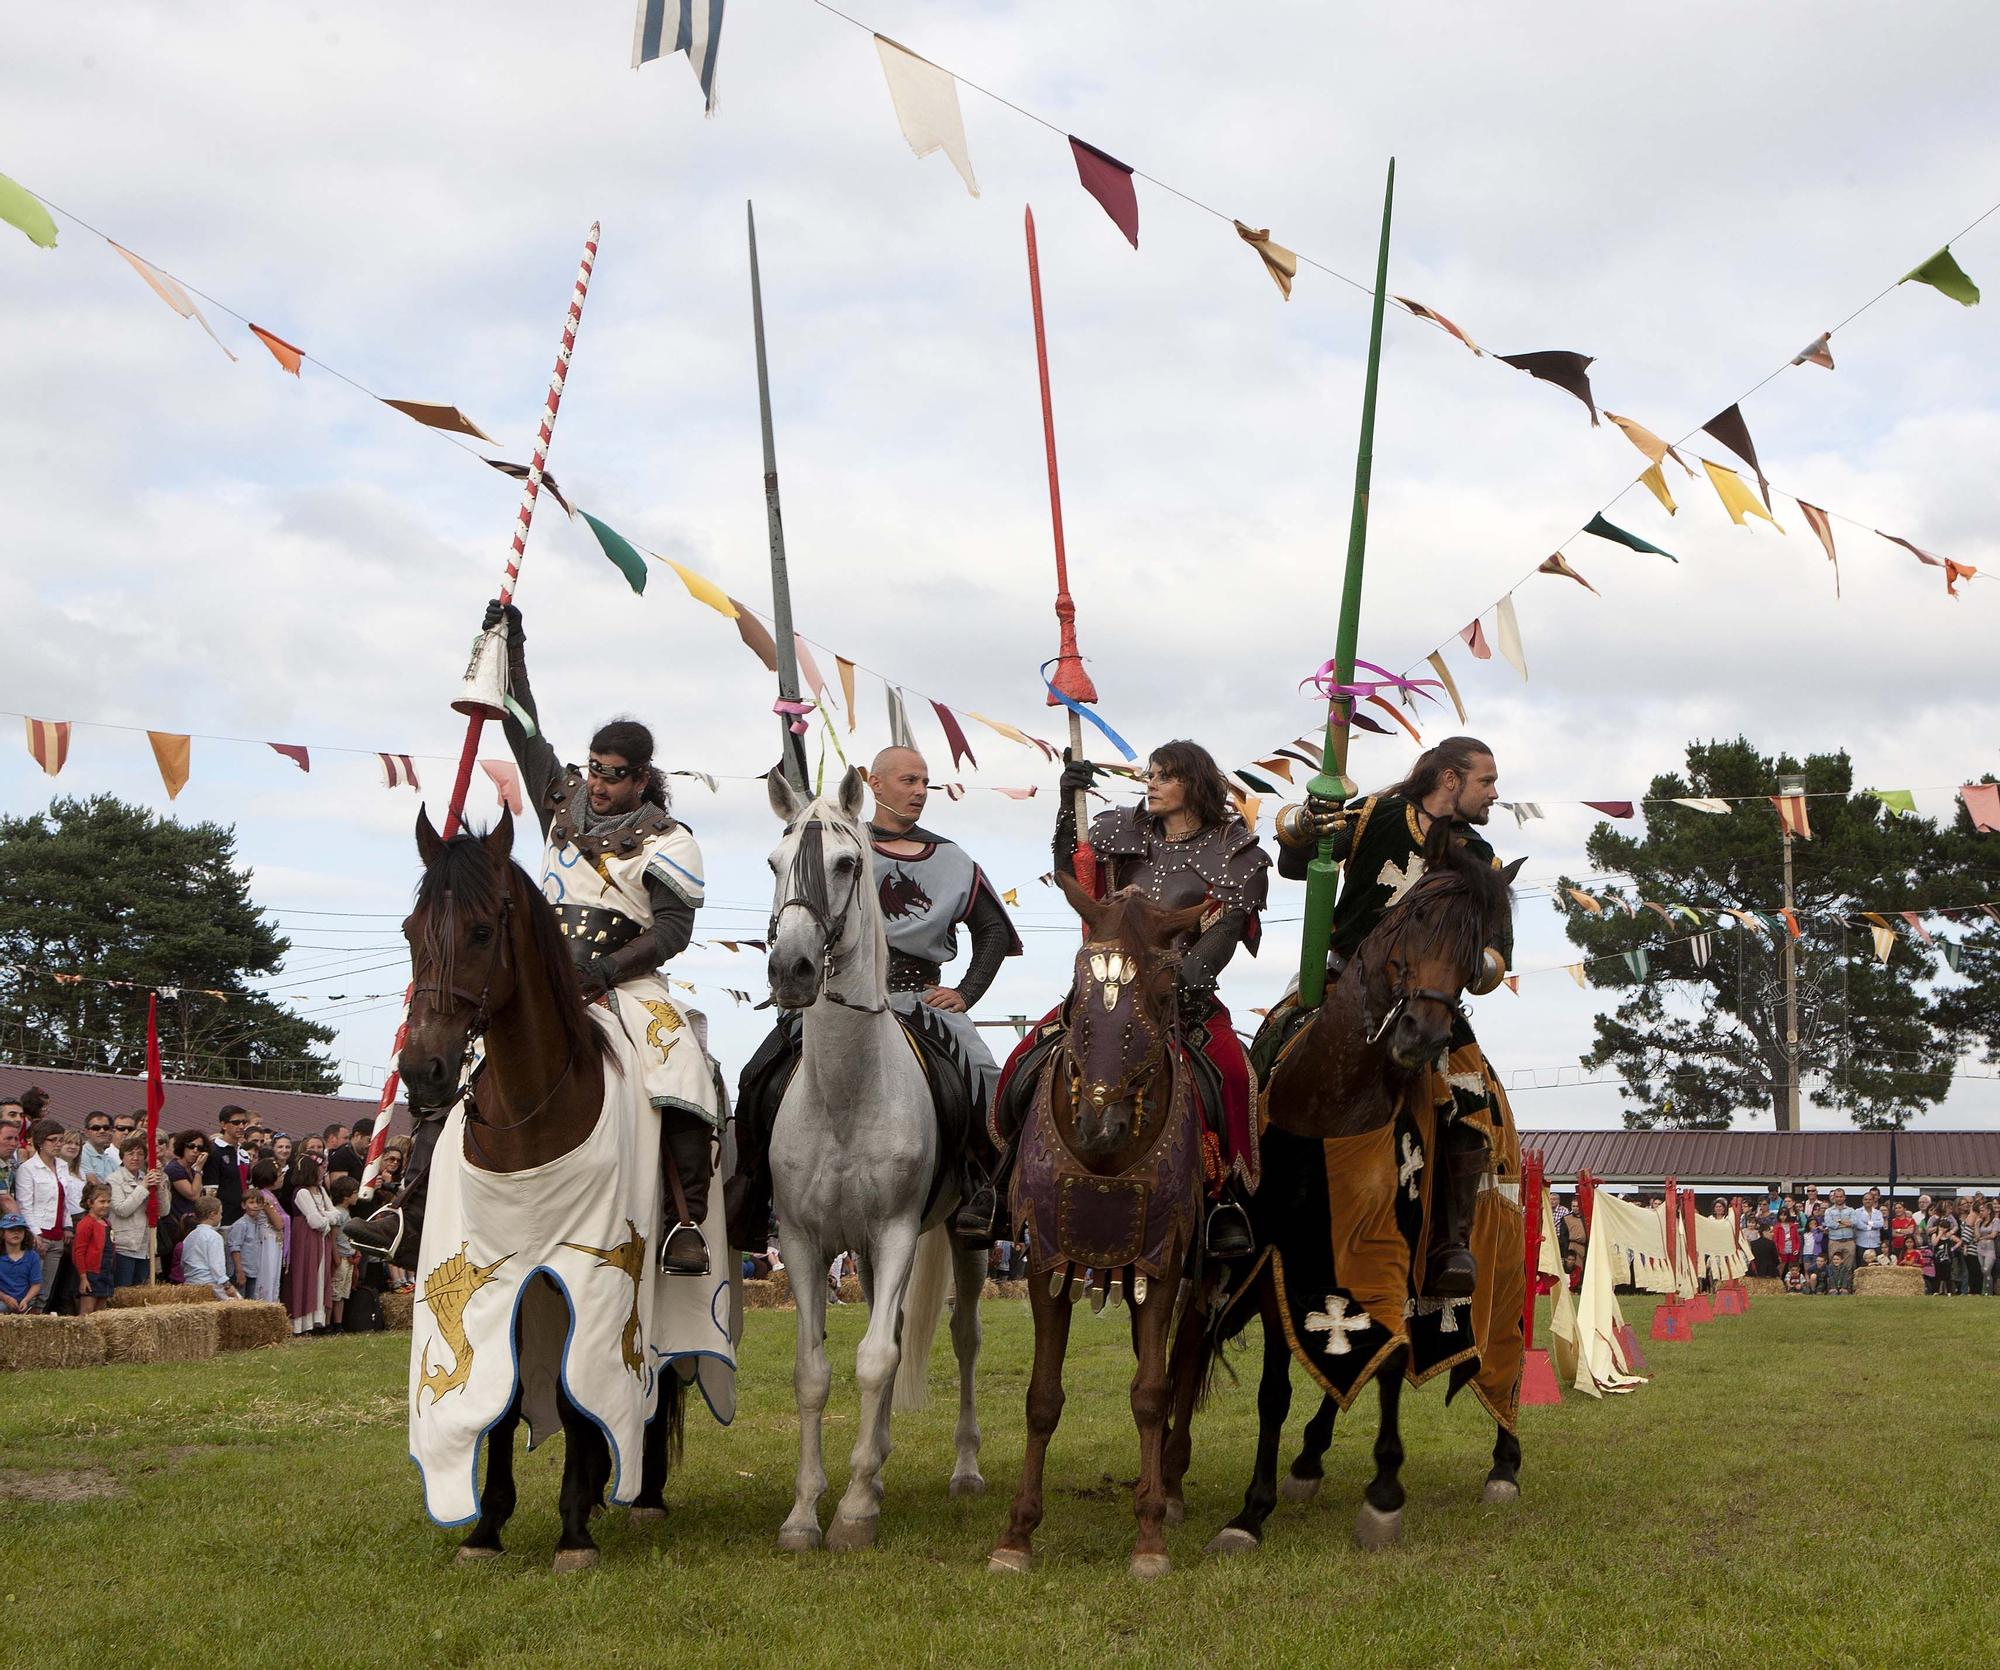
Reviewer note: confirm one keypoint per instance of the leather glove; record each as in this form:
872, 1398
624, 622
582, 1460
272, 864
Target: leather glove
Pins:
1076, 774
496, 611
596, 977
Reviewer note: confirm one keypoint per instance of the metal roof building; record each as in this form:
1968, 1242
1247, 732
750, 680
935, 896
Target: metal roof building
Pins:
191, 1105
1965, 1159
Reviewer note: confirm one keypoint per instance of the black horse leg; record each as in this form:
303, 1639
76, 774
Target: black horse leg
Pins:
1274, 1403
1302, 1483
1380, 1520
496, 1504
1503, 1484
586, 1466
656, 1451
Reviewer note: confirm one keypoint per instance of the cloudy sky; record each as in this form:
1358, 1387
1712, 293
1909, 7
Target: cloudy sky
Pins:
195, 545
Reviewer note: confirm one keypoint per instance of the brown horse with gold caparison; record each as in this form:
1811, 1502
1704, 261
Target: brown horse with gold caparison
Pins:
1109, 1178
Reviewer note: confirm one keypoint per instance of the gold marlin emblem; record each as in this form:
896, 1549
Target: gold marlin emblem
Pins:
629, 1258
666, 1019
448, 1289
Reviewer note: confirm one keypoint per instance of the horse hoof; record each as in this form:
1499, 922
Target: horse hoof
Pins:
1503, 1492
648, 1516
1176, 1511
573, 1559
1017, 1560
795, 1539
849, 1536
1293, 1488
468, 1555
967, 1484
1375, 1529
1146, 1567
1233, 1539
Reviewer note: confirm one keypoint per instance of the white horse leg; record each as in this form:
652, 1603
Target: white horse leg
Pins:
969, 1280
811, 1376
889, 1261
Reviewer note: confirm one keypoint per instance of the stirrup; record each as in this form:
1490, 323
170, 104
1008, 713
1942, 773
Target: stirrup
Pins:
974, 1220
1227, 1233
673, 1264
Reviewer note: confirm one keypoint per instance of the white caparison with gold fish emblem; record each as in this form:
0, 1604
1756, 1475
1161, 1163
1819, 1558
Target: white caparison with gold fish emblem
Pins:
569, 1251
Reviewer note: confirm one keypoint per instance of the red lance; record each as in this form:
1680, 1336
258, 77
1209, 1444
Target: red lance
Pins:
1071, 678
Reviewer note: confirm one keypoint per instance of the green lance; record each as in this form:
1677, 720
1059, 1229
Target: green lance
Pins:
1323, 873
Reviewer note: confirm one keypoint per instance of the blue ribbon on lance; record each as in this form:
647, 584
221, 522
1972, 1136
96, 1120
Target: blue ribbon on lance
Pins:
1082, 712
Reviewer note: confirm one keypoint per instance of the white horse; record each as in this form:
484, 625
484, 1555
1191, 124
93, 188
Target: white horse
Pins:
854, 1153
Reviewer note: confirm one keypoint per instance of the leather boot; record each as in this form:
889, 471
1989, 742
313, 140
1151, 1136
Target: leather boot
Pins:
687, 1139
1452, 1271
977, 1221
378, 1234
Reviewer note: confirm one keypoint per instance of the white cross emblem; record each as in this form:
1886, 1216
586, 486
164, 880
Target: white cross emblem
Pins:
1448, 1321
1400, 878
1413, 1162
1336, 1324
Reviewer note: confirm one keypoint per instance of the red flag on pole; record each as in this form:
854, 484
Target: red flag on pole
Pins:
156, 1099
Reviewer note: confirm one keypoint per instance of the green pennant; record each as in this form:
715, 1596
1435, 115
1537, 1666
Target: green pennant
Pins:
1951, 950
624, 558
1897, 800
1255, 781
22, 208
1944, 275
1631, 541
1635, 960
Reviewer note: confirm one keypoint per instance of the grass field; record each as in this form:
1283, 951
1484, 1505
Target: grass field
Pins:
1775, 1495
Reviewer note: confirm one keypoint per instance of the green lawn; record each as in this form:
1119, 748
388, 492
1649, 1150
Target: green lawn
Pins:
1764, 1499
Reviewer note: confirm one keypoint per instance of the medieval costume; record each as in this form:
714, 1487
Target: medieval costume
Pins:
625, 890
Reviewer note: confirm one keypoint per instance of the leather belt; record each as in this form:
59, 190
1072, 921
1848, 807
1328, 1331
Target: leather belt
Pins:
602, 930
912, 974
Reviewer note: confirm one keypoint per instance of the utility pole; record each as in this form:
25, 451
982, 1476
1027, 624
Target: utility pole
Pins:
1790, 784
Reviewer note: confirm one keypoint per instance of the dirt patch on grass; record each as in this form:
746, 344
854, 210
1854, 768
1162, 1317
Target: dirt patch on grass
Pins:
73, 1484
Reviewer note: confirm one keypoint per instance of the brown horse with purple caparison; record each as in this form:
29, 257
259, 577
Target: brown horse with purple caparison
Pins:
1114, 1102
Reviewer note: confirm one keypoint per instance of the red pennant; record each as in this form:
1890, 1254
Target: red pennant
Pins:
954, 735
294, 752
1110, 182
1475, 640
1611, 808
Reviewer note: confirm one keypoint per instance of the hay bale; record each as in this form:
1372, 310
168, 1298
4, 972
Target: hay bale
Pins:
188, 1333
160, 1293
850, 1290
766, 1295
781, 1289
1755, 1285
1900, 1281
245, 1326
33, 1342
397, 1308
130, 1336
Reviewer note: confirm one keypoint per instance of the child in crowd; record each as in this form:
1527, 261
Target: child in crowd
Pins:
274, 1232
204, 1261
89, 1248
20, 1267
244, 1244
341, 1192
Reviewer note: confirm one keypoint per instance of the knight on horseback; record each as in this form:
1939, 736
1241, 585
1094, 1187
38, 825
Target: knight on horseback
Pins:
1184, 846
625, 878
1379, 841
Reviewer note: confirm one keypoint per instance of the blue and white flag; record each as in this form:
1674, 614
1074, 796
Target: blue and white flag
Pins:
697, 26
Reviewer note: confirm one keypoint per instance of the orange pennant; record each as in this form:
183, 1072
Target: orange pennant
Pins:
1792, 814
845, 668
281, 350
171, 752
48, 742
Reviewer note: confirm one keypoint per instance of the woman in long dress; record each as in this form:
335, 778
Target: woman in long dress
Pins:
308, 1284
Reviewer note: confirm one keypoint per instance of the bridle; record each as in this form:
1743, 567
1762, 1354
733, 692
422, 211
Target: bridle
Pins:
1452, 1003
809, 894
1159, 1040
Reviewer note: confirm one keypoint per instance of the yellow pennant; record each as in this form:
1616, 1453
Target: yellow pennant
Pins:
1656, 484
1736, 498
703, 590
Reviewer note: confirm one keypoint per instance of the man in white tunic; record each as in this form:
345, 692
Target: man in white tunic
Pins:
625, 879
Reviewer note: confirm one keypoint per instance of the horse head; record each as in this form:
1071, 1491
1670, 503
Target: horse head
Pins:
1429, 947
821, 908
1121, 1015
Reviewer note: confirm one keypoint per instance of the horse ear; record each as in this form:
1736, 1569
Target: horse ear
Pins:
1509, 872
1091, 910
785, 800
500, 842
852, 787
430, 844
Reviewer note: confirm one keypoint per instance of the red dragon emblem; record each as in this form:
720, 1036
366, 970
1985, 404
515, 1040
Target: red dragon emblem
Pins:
902, 896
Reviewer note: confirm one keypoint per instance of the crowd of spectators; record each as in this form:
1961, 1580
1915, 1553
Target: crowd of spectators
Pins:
245, 1211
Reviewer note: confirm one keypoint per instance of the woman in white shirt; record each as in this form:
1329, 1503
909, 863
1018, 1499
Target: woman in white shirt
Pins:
131, 1236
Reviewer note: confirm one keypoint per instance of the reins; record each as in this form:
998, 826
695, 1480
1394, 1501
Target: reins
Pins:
808, 884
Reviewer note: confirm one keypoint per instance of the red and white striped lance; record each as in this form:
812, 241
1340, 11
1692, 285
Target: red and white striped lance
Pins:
531, 490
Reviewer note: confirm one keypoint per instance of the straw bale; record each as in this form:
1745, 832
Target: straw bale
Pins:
130, 1336
781, 1289
244, 1326
188, 1333
764, 1295
160, 1293
1755, 1285
1901, 1281
30, 1342
396, 1310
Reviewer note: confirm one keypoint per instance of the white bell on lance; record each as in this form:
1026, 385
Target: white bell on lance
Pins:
483, 691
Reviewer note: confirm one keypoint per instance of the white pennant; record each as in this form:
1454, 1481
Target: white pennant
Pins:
926, 101
1508, 634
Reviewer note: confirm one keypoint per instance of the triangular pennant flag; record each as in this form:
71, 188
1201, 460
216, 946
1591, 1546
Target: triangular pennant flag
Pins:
1556, 565
1523, 810
1917, 927
1699, 945
1585, 900
171, 293
1475, 640
1771, 921
1951, 950
520, 473
1655, 449
1729, 428
702, 589
1014, 733
1698, 804
623, 557
1011, 897
1514, 984
1819, 351
1618, 536
21, 208
755, 638
399, 772
1255, 782
954, 735
1247, 807
506, 779
1885, 942
699, 35
1736, 498
1791, 918
1688, 911
1110, 182
1944, 275
1816, 519
1361, 721
48, 743
281, 350
1876, 917
1982, 801
171, 753
448, 418
926, 101
1390, 709
1576, 974
844, 669
1655, 482
1508, 631
294, 752
1436, 659
809, 669
1569, 371
1896, 800
1279, 262
1027, 793
1953, 571
1611, 808
899, 721
1635, 960
1792, 814
1279, 764
1438, 319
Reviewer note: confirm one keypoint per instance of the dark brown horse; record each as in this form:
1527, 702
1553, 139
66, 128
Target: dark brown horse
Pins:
1109, 1179
489, 962
1370, 1047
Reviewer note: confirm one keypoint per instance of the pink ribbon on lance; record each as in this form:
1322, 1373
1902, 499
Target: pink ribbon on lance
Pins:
1326, 681
794, 712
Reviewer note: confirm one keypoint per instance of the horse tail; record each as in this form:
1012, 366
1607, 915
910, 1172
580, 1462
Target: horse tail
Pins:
922, 1306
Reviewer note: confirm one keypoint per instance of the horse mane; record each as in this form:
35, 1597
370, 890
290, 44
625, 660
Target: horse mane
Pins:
1456, 904
826, 808
467, 872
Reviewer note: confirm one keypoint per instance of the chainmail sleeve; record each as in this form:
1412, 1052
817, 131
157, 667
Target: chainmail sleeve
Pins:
993, 941
1064, 845
1203, 962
